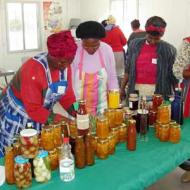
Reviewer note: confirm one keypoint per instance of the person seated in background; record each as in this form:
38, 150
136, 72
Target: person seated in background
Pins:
149, 62
104, 23
93, 67
137, 32
40, 82
117, 40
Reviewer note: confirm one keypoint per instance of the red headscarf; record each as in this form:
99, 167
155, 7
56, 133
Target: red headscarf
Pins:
61, 45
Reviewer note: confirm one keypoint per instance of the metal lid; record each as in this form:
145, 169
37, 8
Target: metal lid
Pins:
102, 141
28, 132
132, 121
114, 91
142, 111
20, 160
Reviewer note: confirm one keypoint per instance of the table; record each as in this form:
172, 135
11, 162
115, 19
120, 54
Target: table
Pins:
4, 73
126, 170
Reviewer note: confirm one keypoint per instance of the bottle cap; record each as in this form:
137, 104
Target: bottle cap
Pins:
65, 140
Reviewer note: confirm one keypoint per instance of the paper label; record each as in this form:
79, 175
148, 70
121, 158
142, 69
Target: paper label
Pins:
154, 61
82, 121
61, 89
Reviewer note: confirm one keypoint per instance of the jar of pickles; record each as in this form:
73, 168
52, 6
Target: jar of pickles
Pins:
111, 143
157, 101
47, 138
102, 128
57, 134
29, 143
119, 116
113, 99
42, 168
123, 132
102, 148
54, 161
109, 113
164, 114
175, 133
22, 172
115, 131
164, 132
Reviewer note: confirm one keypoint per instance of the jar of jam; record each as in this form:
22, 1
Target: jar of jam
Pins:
131, 135
16, 146
54, 161
65, 129
152, 116
57, 134
22, 172
73, 128
128, 116
157, 101
89, 151
9, 165
102, 128
111, 143
80, 152
29, 143
133, 101
123, 132
113, 99
102, 148
175, 133
94, 140
115, 131
109, 113
47, 138
164, 132
157, 127
164, 114
119, 116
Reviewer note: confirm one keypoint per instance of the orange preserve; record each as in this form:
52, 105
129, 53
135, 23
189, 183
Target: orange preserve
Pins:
164, 114
131, 135
113, 99
164, 132
110, 114
102, 148
102, 128
119, 116
57, 134
175, 133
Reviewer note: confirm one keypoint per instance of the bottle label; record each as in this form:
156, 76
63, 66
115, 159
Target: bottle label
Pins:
66, 165
130, 104
82, 121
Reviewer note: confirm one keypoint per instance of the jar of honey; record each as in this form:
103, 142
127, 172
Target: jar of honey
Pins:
102, 148
57, 134
89, 151
164, 114
119, 116
115, 131
113, 99
54, 161
94, 140
65, 129
164, 132
123, 132
175, 133
111, 143
102, 128
109, 113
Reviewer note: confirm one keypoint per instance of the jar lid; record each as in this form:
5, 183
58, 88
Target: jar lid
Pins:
42, 154
102, 140
175, 126
157, 95
164, 125
142, 111
102, 118
132, 121
114, 91
114, 129
20, 160
133, 95
28, 132
173, 122
108, 110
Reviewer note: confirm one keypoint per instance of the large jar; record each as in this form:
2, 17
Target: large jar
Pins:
175, 133
111, 143
110, 114
119, 116
79, 152
47, 138
113, 99
42, 169
123, 132
54, 161
102, 148
89, 151
164, 114
164, 132
157, 101
22, 172
9, 165
102, 128
131, 135
57, 134
115, 131
29, 143
133, 101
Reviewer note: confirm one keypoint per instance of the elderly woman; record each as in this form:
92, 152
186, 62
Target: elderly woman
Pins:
93, 67
40, 82
149, 62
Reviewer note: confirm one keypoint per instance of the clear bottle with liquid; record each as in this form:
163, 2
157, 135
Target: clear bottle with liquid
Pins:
66, 162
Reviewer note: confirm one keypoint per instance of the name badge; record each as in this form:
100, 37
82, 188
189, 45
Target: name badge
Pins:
154, 61
61, 89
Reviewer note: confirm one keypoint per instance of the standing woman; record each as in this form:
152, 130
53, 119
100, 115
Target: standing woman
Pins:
93, 67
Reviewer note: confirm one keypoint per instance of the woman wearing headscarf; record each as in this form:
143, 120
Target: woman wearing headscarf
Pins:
93, 67
150, 61
40, 82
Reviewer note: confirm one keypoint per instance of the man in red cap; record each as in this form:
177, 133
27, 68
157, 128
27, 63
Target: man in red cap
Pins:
40, 82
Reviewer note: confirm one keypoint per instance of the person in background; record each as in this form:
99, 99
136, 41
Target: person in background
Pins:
137, 32
40, 82
93, 67
117, 40
104, 23
149, 62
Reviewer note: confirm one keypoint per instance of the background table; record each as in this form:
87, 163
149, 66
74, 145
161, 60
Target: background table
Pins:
126, 170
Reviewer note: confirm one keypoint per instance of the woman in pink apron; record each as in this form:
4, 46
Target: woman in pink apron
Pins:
94, 70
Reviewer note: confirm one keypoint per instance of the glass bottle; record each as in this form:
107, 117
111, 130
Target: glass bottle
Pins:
82, 118
66, 162
65, 128
89, 151
73, 128
16, 146
131, 135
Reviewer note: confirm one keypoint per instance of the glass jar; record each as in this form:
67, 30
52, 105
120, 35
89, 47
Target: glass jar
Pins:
89, 151
102, 148
94, 140
109, 113
164, 132
119, 116
22, 172
54, 161
131, 135
115, 131
111, 143
65, 129
57, 134
157, 127
47, 138
73, 128
29, 143
42, 169
175, 133
152, 117
16, 146
9, 165
164, 114
102, 128
79, 152
113, 99
133, 101
128, 116
157, 101
123, 132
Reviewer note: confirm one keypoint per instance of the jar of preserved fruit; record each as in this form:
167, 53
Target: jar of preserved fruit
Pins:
65, 128
128, 116
57, 134
113, 99
164, 114
73, 128
123, 132
119, 116
42, 169
175, 133
9, 165
131, 135
16, 146
22, 172
133, 101
111, 143
157, 100
102, 128
115, 131
79, 152
102, 148
157, 127
152, 117
164, 132
54, 161
29, 143
47, 138
94, 140
109, 113
89, 151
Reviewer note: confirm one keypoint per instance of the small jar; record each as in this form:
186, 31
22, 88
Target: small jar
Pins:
133, 101
113, 99
47, 138
115, 131
152, 117
57, 134
119, 116
102, 148
157, 127
42, 169
94, 140
175, 133
123, 132
164, 114
65, 128
111, 143
22, 172
109, 113
102, 128
89, 151
164, 132
73, 128
29, 143
157, 101
54, 161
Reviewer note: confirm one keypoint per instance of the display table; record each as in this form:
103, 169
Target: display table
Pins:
126, 170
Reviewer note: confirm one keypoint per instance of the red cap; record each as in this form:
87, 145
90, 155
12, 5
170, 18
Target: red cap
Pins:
65, 140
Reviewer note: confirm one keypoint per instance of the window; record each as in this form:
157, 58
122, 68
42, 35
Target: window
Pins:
23, 25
